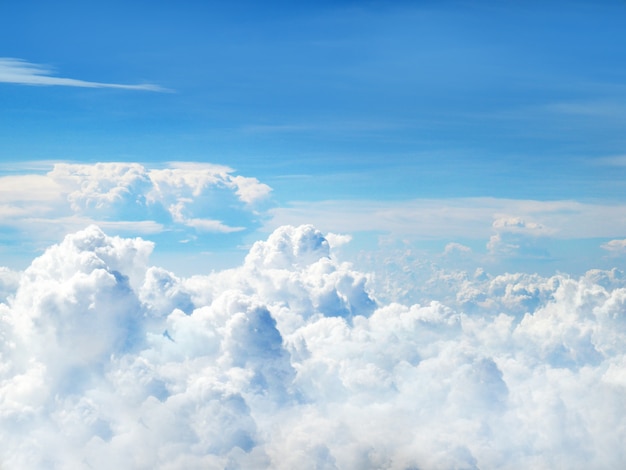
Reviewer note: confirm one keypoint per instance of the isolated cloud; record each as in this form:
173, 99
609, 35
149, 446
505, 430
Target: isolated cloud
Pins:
454, 247
456, 217
190, 198
515, 236
22, 72
290, 361
617, 247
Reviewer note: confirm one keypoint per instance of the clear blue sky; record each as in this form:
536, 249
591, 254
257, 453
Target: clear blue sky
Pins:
332, 101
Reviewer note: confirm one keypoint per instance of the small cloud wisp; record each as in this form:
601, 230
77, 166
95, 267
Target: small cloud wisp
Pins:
22, 72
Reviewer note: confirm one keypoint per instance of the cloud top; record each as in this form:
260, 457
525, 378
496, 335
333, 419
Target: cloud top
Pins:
22, 72
290, 361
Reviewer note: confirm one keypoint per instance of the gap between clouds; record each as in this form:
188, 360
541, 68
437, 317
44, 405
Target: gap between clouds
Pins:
22, 72
509, 227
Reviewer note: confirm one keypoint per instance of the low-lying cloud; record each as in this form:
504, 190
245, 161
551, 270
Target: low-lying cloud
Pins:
292, 360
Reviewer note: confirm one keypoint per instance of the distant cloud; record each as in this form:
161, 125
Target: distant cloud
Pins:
617, 247
615, 160
208, 225
475, 218
592, 109
516, 224
26, 73
186, 197
453, 247
517, 237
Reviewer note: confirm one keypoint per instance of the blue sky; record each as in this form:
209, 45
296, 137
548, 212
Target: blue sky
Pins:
351, 103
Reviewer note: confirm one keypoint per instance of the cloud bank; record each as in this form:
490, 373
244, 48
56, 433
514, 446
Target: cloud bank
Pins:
22, 72
291, 360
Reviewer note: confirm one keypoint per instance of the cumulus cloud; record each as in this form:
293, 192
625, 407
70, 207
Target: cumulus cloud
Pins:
335, 240
22, 72
516, 224
293, 360
617, 247
517, 237
120, 196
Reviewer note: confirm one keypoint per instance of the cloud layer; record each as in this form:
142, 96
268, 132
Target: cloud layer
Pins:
22, 72
289, 360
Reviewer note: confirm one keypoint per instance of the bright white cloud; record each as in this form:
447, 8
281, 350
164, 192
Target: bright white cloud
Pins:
335, 240
101, 185
250, 190
120, 196
26, 73
288, 361
194, 189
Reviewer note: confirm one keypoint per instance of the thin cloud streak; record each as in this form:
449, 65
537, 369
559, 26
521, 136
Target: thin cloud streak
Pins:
22, 72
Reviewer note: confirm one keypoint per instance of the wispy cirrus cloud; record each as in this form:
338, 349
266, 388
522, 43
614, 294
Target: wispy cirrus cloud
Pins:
19, 71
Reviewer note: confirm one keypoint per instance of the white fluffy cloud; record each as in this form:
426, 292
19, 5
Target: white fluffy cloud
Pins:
515, 236
290, 361
188, 198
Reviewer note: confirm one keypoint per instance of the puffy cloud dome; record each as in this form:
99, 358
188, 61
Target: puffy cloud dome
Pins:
288, 361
